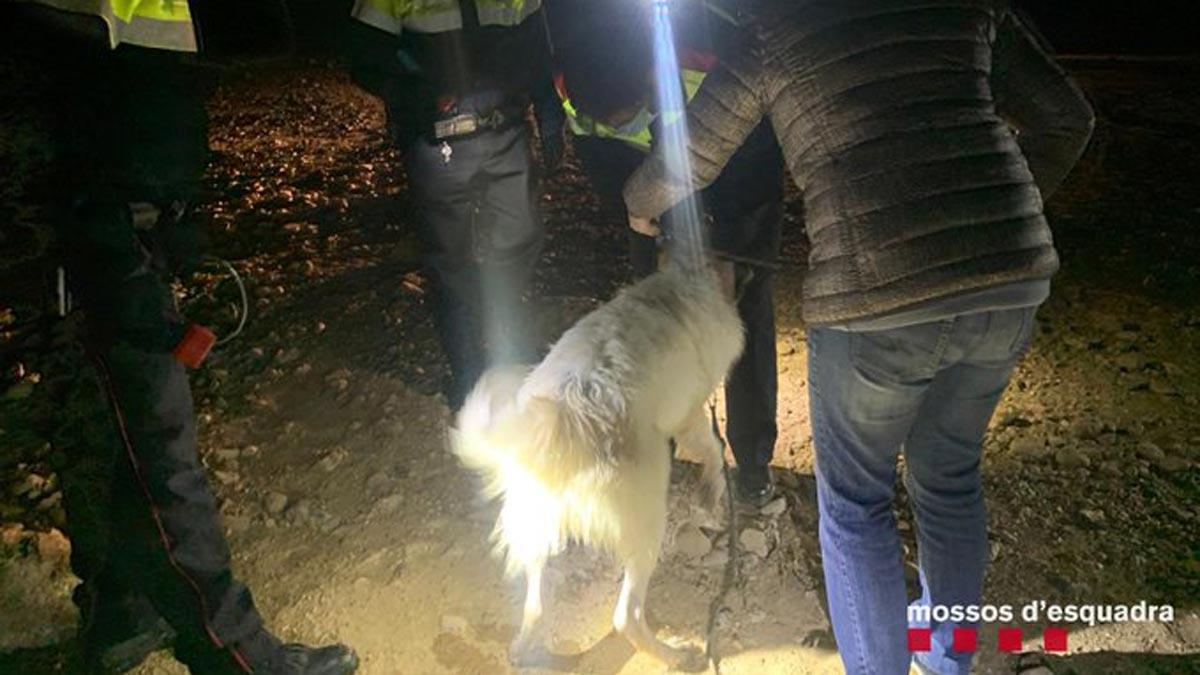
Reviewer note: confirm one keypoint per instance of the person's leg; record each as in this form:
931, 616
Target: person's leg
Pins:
746, 203
164, 543
942, 456
751, 388
864, 391
511, 241
446, 201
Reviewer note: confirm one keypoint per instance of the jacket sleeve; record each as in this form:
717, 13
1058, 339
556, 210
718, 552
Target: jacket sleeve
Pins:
723, 112
1035, 95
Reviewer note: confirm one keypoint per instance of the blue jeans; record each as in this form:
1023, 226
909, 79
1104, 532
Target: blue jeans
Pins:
928, 390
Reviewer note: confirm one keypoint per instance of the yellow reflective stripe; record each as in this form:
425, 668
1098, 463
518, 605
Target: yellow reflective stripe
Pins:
438, 16
505, 12
582, 125
156, 24
691, 81
439, 22
161, 10
377, 14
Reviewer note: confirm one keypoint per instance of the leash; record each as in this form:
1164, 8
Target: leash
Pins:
664, 238
731, 566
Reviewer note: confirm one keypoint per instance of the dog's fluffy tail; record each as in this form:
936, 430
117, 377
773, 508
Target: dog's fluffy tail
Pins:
530, 452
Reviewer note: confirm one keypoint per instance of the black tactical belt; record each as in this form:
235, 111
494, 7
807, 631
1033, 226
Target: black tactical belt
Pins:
467, 124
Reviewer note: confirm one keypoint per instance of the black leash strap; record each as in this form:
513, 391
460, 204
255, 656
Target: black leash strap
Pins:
731, 565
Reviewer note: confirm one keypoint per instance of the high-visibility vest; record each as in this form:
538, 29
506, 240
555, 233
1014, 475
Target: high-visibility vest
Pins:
693, 66
157, 24
439, 16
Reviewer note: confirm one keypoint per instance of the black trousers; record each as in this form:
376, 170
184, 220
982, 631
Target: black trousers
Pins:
129, 126
746, 205
482, 235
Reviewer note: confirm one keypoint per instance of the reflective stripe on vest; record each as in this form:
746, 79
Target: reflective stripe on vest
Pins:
157, 24
584, 125
439, 16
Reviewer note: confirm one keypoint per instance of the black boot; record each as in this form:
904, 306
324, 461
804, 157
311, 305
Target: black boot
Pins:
298, 659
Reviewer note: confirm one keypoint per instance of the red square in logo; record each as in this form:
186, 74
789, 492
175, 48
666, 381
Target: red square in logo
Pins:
965, 640
1054, 639
919, 639
1009, 639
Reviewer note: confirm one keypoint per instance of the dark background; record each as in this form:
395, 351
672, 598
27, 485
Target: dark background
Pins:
1072, 26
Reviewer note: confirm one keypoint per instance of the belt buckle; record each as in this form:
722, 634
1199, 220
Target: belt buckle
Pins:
458, 125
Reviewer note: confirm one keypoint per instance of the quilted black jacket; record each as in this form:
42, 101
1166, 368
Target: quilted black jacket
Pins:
924, 135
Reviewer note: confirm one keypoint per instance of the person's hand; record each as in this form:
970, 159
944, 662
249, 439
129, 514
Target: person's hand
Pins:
643, 226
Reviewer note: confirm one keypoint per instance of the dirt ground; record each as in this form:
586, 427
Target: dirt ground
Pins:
350, 521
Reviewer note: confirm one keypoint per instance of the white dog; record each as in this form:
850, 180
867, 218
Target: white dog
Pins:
579, 446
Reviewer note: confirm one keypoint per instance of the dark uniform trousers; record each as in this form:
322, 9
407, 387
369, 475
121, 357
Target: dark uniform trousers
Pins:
746, 205
482, 235
129, 126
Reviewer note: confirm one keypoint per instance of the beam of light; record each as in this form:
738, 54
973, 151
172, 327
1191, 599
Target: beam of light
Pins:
686, 221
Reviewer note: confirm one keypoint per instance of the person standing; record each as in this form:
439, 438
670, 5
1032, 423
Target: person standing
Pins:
609, 99
456, 77
925, 140
123, 104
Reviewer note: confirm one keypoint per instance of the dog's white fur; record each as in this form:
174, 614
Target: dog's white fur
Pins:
578, 446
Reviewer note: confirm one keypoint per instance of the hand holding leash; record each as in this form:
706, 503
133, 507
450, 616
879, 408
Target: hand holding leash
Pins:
643, 226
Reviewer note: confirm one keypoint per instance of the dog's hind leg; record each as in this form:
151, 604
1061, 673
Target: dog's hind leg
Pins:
527, 649
629, 618
697, 435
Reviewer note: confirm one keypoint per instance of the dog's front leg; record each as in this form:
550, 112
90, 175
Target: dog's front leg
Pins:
527, 649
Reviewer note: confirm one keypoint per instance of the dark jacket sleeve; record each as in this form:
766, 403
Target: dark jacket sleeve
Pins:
1035, 95
724, 111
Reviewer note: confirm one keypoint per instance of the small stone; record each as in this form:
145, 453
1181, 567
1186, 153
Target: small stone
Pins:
379, 483
1162, 386
1139, 382
715, 558
250, 451
226, 477
1188, 628
455, 625
1171, 464
1150, 451
31, 487
300, 510
11, 533
50, 502
754, 541
691, 542
1070, 458
53, 546
1130, 361
995, 549
228, 454
1093, 516
330, 462
391, 504
1027, 447
775, 507
903, 525
236, 524
275, 502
